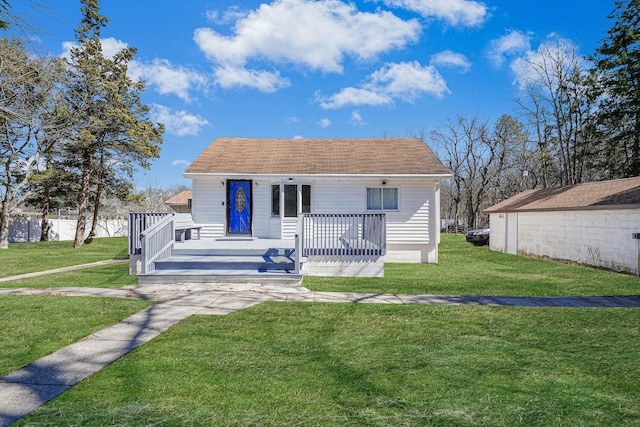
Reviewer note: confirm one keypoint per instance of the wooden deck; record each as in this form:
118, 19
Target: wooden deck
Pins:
341, 243
230, 244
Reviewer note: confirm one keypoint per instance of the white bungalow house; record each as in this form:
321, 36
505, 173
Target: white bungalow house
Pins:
277, 179
594, 224
348, 204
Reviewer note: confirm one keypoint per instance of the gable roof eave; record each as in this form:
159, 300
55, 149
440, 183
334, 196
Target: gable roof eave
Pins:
191, 175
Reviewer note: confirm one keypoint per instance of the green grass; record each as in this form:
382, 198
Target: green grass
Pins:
34, 326
464, 269
295, 364
23, 258
112, 275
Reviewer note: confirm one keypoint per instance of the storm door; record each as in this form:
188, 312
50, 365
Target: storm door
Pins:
239, 207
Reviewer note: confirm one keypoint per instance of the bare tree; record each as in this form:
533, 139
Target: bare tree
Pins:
152, 199
28, 123
485, 162
450, 139
554, 99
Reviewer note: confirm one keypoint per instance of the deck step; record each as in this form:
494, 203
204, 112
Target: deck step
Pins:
231, 262
195, 276
232, 252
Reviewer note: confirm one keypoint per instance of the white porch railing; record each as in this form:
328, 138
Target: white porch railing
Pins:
322, 236
138, 222
157, 242
330, 235
154, 242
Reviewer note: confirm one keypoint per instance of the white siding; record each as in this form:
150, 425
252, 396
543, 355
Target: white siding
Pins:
275, 231
410, 224
413, 228
601, 238
289, 227
209, 206
261, 208
338, 197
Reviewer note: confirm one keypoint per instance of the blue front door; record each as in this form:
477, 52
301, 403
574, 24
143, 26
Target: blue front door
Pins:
239, 207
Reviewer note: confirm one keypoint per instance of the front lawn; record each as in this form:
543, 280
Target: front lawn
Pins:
464, 269
23, 258
34, 326
112, 275
297, 364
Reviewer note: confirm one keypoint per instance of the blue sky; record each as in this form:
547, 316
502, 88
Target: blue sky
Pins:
320, 68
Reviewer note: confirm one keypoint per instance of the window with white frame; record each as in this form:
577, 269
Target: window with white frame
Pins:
290, 199
382, 199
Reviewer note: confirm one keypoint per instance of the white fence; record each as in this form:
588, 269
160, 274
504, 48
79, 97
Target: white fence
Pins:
28, 229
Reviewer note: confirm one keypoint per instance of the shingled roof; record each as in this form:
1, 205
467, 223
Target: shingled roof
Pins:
620, 193
372, 156
181, 198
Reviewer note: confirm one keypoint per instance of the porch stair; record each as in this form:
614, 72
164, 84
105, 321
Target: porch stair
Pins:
225, 265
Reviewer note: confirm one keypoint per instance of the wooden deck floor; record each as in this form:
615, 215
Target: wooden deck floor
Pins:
234, 243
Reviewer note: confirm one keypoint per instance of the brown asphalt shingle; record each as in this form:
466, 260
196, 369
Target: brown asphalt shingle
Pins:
373, 156
593, 195
181, 198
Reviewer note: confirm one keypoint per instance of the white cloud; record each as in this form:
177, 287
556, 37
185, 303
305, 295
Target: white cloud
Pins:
317, 35
110, 47
512, 43
264, 81
455, 12
450, 59
182, 164
229, 16
404, 81
179, 123
159, 74
298, 137
324, 123
542, 66
354, 96
166, 78
356, 119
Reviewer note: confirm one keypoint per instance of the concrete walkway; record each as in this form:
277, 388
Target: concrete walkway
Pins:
24, 390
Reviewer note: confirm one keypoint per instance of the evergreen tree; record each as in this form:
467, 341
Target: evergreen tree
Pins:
4, 10
617, 63
112, 132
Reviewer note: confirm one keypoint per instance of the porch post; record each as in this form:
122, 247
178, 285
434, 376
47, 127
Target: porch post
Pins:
281, 202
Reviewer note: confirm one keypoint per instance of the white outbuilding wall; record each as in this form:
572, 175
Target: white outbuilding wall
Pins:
600, 238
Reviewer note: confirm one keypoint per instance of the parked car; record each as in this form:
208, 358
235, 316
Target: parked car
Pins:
479, 237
